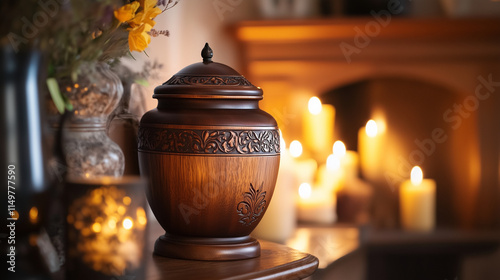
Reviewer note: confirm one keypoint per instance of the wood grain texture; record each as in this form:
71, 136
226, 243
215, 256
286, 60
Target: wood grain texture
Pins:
212, 158
198, 196
276, 262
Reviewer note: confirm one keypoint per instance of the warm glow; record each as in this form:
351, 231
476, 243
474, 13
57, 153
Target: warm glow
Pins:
416, 176
87, 175
96, 227
305, 190
141, 216
106, 180
295, 148
371, 128
121, 210
339, 149
333, 162
127, 200
112, 223
127, 223
33, 214
314, 105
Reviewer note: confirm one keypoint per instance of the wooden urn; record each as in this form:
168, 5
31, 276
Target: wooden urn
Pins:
211, 158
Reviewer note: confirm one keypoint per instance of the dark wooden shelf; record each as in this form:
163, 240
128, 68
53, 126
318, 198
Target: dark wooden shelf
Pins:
440, 241
391, 254
276, 262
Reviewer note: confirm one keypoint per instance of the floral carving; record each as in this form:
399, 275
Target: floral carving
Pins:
208, 80
209, 141
253, 205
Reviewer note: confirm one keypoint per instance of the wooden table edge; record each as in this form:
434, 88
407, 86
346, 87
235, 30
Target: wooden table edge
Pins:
305, 268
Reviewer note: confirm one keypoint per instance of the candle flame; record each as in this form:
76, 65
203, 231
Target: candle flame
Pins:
416, 176
295, 149
96, 227
333, 162
339, 149
314, 105
371, 128
127, 223
305, 190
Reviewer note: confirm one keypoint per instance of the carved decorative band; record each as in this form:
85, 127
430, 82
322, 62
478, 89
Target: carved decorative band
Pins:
208, 80
186, 141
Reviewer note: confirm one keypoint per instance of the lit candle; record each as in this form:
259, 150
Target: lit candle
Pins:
295, 149
417, 198
106, 226
304, 169
339, 149
348, 160
369, 149
316, 205
318, 126
330, 174
340, 166
349, 165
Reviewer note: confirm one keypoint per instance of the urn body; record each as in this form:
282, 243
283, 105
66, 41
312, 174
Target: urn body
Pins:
211, 158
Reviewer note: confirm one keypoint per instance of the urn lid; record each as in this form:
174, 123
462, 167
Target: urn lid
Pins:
207, 80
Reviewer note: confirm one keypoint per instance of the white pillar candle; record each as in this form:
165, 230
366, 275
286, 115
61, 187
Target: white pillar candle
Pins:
318, 124
417, 199
316, 205
330, 174
370, 150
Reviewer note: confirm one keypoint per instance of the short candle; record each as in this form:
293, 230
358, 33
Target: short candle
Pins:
417, 198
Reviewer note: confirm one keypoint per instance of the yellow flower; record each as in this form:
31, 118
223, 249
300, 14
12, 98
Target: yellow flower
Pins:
126, 12
138, 38
148, 4
146, 16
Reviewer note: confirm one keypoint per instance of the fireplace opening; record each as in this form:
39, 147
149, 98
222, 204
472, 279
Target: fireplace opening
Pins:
419, 123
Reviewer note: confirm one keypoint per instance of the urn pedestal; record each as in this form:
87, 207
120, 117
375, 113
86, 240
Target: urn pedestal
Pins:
211, 158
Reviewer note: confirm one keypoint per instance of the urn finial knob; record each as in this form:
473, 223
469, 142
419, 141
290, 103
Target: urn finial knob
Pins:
207, 53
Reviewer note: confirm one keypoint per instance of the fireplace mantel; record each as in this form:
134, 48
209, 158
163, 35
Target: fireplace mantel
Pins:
321, 39
304, 57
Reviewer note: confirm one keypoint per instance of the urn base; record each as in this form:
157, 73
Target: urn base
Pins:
207, 249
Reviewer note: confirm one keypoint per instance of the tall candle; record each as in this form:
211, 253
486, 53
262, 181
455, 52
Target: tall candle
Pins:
318, 124
417, 198
370, 150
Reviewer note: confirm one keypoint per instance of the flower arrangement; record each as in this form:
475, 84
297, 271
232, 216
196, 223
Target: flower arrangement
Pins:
92, 31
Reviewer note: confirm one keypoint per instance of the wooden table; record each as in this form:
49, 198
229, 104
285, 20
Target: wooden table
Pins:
327, 243
276, 262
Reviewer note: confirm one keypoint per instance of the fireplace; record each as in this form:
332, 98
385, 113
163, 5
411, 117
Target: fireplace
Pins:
434, 83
